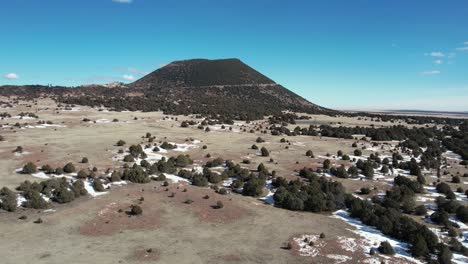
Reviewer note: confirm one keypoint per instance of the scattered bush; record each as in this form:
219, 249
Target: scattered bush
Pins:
34, 200
128, 158
82, 174
365, 191
63, 195
29, 168
116, 176
168, 146
8, 200
136, 210
97, 185
219, 205
264, 152
253, 187
200, 181
69, 168
78, 188
386, 248
420, 210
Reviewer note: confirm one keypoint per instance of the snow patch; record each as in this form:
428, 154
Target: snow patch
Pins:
374, 237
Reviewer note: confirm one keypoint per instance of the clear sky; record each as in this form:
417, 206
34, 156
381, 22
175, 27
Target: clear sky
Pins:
348, 54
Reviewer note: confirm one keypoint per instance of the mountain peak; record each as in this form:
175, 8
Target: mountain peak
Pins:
203, 72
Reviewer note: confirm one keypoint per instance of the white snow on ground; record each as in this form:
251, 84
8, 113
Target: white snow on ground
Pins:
103, 120
23, 117
432, 191
372, 261
197, 169
40, 175
45, 126
424, 199
300, 144
19, 200
87, 183
228, 182
459, 259
226, 128
218, 127
183, 147
307, 250
451, 155
374, 236
73, 109
348, 243
352, 157
88, 186
461, 197
175, 178
269, 197
458, 222
438, 232
20, 154
152, 157
118, 183
47, 199
161, 150
339, 258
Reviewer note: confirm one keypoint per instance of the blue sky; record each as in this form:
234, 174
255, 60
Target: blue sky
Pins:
346, 54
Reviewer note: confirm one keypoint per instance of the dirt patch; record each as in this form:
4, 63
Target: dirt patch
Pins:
202, 202
146, 254
114, 218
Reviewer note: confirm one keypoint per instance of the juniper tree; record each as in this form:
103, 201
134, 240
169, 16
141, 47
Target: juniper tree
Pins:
69, 168
264, 152
97, 185
29, 168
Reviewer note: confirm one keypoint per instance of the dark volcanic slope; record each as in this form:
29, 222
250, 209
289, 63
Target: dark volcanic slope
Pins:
227, 85
202, 72
225, 88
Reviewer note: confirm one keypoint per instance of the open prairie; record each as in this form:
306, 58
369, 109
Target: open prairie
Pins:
99, 228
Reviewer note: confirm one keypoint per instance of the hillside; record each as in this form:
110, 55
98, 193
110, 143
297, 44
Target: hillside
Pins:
203, 72
227, 89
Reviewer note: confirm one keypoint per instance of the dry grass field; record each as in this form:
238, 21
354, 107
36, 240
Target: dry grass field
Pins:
98, 230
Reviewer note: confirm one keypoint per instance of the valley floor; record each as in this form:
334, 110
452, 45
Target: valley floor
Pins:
96, 229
